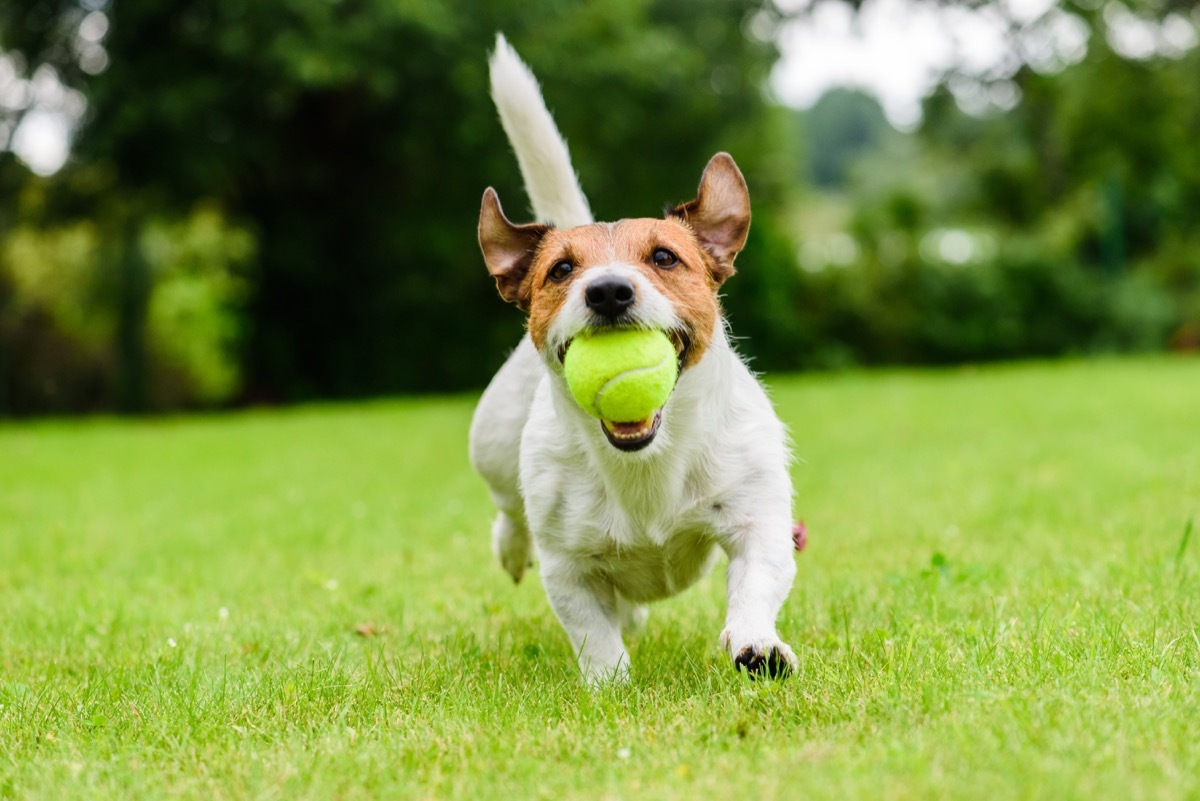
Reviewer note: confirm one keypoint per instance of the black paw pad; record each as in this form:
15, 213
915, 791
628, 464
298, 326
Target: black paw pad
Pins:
756, 663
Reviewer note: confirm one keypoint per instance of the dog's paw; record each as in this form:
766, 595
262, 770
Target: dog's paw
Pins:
776, 661
512, 546
765, 657
598, 675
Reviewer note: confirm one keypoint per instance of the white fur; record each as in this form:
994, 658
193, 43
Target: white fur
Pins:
652, 309
613, 529
541, 152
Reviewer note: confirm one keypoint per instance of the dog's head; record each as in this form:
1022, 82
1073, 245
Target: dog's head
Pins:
644, 273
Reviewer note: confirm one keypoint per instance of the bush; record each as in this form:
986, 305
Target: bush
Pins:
1016, 304
67, 325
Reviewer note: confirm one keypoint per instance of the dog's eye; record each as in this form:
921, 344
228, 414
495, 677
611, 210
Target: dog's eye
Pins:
665, 259
561, 270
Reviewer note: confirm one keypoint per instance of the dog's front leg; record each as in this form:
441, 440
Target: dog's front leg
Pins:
586, 606
761, 569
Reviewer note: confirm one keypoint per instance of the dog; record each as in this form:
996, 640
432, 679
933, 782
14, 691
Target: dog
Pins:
622, 513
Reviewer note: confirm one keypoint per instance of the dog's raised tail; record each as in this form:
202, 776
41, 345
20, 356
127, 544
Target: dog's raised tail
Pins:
541, 151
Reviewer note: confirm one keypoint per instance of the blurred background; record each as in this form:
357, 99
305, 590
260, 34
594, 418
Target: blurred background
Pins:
225, 202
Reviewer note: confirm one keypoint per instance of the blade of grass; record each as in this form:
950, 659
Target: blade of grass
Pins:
1183, 542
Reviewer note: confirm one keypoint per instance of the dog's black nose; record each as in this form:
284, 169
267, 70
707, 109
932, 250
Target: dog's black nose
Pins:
609, 297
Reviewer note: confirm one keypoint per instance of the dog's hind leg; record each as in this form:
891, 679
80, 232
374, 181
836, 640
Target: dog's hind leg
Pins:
512, 544
495, 443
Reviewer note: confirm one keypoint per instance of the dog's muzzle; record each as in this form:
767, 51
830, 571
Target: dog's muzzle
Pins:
635, 435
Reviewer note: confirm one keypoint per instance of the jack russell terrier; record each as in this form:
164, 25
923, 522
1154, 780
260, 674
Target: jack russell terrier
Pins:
622, 513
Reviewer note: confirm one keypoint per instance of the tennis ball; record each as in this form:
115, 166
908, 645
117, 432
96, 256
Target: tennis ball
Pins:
622, 376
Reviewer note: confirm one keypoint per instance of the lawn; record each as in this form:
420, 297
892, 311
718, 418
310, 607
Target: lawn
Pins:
1000, 599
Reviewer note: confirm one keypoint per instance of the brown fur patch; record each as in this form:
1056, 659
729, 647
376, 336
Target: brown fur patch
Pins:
690, 285
720, 214
508, 249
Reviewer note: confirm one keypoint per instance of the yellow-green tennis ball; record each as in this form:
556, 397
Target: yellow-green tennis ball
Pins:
622, 376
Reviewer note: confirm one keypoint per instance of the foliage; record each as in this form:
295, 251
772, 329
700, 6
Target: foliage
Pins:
193, 312
63, 320
1017, 304
1067, 222
843, 126
338, 151
998, 600
353, 140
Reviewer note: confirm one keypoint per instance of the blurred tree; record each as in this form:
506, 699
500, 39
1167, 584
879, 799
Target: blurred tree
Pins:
354, 139
277, 200
1073, 210
841, 127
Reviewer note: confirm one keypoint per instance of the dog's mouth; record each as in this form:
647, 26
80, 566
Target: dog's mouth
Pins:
635, 435
632, 436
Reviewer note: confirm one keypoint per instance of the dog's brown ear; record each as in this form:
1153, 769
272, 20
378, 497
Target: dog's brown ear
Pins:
720, 214
507, 249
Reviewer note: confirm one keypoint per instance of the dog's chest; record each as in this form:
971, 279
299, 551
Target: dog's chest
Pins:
650, 538
649, 571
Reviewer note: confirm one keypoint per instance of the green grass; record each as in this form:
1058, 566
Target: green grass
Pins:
1000, 599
